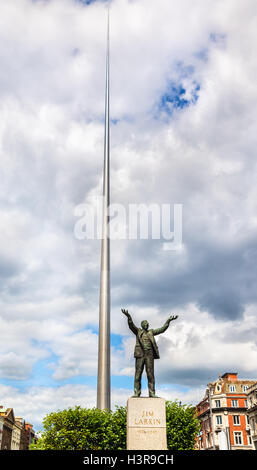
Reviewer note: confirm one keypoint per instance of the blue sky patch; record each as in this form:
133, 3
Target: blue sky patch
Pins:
88, 2
218, 38
180, 92
176, 98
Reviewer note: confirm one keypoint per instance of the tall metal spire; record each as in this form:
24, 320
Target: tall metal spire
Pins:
104, 368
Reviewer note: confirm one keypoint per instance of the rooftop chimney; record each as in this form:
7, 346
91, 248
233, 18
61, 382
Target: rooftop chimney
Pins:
231, 376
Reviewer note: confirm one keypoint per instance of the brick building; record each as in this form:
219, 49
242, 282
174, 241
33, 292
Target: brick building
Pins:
1, 429
223, 415
252, 412
23, 440
29, 434
15, 433
7, 421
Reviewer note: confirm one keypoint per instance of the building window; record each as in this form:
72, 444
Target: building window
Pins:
219, 419
246, 404
217, 403
247, 419
232, 388
234, 403
238, 437
236, 420
253, 424
245, 387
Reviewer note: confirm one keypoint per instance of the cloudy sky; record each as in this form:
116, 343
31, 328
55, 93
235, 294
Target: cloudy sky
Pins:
183, 131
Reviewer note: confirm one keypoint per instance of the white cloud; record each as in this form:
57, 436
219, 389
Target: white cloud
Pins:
37, 402
197, 344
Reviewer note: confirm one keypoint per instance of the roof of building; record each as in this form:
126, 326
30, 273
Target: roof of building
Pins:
227, 374
3, 410
252, 387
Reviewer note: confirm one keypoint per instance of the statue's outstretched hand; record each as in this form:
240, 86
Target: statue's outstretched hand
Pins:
125, 312
172, 317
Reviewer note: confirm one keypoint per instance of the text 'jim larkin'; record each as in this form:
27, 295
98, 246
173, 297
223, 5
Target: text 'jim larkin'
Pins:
147, 418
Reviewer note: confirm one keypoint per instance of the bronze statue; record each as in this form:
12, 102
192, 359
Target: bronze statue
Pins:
146, 350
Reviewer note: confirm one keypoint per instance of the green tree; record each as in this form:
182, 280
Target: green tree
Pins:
83, 428
92, 429
182, 426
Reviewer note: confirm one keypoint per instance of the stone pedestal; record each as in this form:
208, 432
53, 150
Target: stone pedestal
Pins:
146, 424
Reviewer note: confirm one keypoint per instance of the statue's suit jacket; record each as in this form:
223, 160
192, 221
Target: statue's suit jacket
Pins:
138, 351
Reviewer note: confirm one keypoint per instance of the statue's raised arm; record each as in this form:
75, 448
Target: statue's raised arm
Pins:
172, 317
131, 325
126, 312
166, 325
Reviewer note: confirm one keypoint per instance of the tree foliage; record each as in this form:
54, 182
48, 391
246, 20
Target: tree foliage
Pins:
182, 426
93, 429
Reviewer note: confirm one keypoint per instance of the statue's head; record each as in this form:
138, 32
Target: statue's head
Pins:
145, 325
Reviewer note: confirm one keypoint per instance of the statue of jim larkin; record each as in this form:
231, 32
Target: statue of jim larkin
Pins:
146, 350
